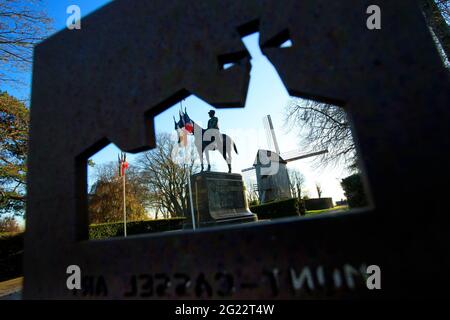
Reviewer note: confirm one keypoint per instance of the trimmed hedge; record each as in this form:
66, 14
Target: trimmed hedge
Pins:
279, 209
318, 203
354, 191
11, 255
115, 229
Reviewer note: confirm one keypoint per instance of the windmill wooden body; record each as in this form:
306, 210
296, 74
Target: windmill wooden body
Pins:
272, 176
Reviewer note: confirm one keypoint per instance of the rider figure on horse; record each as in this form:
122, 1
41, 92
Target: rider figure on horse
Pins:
213, 123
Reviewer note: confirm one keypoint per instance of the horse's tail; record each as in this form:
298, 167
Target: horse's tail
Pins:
235, 149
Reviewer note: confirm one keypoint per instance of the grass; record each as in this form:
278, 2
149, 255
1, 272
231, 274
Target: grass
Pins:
131, 221
330, 210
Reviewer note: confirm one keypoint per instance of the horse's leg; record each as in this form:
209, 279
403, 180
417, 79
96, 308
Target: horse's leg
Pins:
207, 159
227, 157
200, 154
227, 151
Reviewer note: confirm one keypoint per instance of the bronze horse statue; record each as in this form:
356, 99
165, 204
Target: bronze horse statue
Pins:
206, 140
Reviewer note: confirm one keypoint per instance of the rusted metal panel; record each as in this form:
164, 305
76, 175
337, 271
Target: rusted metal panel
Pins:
132, 59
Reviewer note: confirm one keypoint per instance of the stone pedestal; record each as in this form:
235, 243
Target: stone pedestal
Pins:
218, 198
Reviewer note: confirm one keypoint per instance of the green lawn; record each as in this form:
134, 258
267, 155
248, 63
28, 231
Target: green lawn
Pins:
330, 210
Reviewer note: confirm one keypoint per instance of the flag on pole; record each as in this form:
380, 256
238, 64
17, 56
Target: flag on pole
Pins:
185, 126
181, 132
123, 164
188, 123
183, 138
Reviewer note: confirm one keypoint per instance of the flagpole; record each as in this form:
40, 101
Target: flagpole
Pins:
189, 186
123, 164
188, 173
124, 207
190, 199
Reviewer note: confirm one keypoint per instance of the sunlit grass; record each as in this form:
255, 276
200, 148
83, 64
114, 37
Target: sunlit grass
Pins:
330, 210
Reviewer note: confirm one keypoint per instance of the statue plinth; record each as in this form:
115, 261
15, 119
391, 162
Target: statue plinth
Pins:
218, 198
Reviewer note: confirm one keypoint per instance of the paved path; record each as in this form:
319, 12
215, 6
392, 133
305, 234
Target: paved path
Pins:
11, 289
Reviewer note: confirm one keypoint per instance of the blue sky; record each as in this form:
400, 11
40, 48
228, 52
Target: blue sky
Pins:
266, 95
56, 10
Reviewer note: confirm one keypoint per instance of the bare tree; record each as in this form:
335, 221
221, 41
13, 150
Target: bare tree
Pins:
437, 15
252, 194
106, 195
319, 190
297, 180
23, 24
323, 126
165, 178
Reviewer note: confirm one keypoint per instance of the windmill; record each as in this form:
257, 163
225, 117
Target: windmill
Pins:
271, 172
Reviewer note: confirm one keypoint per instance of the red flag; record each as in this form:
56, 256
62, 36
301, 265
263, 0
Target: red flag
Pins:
123, 167
189, 127
188, 123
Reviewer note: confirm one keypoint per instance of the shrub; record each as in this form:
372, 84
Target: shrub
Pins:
9, 224
319, 203
115, 229
354, 191
278, 209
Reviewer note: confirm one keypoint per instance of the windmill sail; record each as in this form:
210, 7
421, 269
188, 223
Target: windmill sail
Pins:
297, 155
270, 134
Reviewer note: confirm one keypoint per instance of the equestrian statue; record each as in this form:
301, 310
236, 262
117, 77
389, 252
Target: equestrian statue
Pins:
205, 140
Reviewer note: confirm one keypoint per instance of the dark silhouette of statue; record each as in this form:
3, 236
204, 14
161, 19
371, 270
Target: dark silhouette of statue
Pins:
205, 139
213, 122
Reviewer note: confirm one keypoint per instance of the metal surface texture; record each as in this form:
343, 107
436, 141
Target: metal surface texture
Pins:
132, 59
